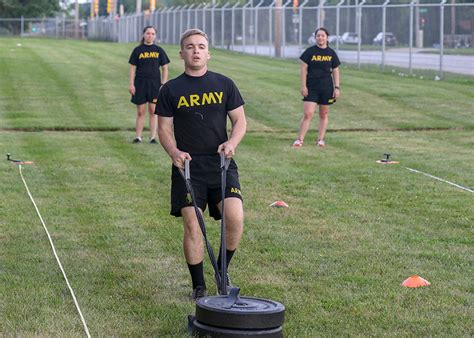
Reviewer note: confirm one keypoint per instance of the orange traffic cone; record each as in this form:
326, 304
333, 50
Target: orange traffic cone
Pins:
415, 282
279, 204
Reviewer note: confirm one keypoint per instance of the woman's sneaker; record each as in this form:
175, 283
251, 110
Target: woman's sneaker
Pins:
297, 144
137, 140
320, 143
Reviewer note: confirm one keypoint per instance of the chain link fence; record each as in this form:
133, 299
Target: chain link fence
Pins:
44, 27
410, 36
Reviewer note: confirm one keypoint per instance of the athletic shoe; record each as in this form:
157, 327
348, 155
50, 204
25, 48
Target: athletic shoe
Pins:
137, 140
298, 144
320, 143
199, 292
228, 284
153, 141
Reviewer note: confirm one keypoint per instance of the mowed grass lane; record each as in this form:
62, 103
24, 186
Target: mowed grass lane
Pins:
335, 258
77, 84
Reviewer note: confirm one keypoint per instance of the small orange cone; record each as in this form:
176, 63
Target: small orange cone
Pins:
279, 204
415, 282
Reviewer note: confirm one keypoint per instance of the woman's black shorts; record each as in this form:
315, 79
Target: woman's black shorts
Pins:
206, 181
146, 90
324, 96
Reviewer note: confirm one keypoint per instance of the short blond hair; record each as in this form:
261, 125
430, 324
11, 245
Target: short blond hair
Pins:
192, 31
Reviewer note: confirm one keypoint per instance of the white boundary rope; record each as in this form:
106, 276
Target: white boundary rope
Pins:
440, 179
55, 255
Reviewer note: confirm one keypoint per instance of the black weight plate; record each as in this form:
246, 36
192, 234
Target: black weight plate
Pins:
203, 330
246, 313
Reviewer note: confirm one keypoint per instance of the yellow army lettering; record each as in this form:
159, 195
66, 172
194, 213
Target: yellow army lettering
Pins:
235, 190
321, 58
197, 100
149, 55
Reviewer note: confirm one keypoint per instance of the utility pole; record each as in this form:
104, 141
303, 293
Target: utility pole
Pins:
139, 6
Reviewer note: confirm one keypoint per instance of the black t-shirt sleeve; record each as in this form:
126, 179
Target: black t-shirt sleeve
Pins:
164, 60
164, 106
234, 99
335, 61
306, 56
133, 58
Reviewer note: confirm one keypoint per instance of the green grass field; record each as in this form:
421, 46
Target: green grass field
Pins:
335, 258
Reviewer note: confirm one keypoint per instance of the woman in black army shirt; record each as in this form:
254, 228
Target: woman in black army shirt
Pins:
146, 80
319, 85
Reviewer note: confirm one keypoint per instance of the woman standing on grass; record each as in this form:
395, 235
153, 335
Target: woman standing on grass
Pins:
319, 85
146, 80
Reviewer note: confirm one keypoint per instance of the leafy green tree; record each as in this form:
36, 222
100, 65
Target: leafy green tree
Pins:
28, 8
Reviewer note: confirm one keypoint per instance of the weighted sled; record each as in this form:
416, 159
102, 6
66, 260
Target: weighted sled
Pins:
247, 313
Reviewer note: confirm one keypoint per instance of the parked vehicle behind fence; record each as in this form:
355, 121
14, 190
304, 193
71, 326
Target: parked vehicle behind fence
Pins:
390, 39
350, 38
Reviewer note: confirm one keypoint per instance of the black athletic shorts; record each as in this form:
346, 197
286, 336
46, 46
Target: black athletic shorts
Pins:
206, 182
324, 96
146, 90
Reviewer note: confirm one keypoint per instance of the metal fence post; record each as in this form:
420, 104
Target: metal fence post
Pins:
270, 30
63, 34
204, 18
441, 37
196, 15
213, 39
410, 38
161, 19
244, 40
284, 28
300, 35
153, 19
181, 20
255, 39
189, 16
338, 23
175, 13
57, 27
131, 29
232, 38
170, 24
384, 24
320, 9
359, 30
223, 23
167, 20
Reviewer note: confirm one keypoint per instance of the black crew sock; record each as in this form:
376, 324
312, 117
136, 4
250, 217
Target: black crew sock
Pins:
197, 274
228, 256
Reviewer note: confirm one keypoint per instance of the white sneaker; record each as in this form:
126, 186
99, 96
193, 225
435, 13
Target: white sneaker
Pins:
297, 144
321, 143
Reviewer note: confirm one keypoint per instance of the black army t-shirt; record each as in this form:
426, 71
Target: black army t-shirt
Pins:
148, 59
320, 63
199, 107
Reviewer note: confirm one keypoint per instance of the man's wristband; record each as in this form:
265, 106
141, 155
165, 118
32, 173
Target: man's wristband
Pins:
337, 87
